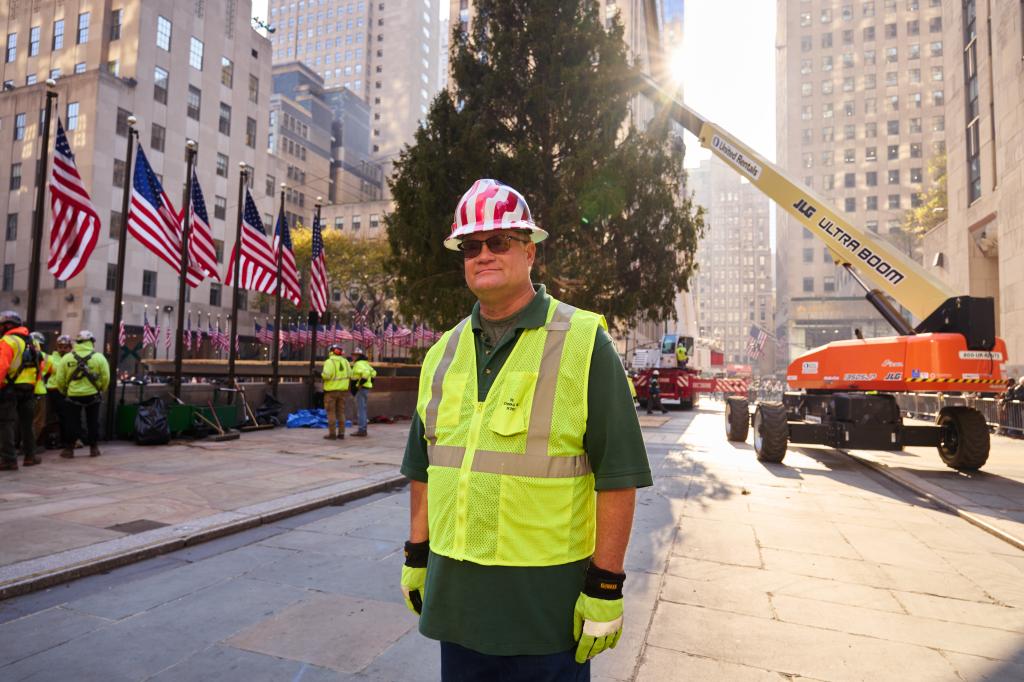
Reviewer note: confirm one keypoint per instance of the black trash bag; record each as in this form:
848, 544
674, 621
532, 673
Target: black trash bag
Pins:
270, 411
151, 425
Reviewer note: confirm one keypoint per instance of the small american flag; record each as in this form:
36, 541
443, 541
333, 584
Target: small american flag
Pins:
149, 334
755, 344
75, 225
122, 336
318, 270
167, 338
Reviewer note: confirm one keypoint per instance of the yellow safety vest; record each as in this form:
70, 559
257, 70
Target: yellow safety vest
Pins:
30, 374
335, 373
17, 345
363, 370
47, 370
681, 353
510, 481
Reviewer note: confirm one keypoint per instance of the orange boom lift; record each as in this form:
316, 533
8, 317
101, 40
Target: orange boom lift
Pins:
844, 391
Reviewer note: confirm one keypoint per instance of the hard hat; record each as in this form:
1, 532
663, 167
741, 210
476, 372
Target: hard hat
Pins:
85, 335
63, 338
334, 347
657, 373
359, 351
492, 205
38, 337
10, 317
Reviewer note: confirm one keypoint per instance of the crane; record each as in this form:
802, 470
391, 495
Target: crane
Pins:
843, 393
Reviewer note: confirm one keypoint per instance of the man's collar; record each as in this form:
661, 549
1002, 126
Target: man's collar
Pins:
534, 315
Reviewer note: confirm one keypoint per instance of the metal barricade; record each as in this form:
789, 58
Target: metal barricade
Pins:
1006, 417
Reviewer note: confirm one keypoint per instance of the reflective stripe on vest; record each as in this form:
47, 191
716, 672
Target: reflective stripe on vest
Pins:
504, 490
17, 345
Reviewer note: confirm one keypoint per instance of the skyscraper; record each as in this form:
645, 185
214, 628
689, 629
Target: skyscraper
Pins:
861, 95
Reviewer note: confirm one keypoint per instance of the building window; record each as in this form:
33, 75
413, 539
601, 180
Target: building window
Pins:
194, 102
849, 204
357, 222
936, 48
271, 184
72, 115
119, 172
250, 132
972, 107
15, 181
19, 126
828, 284
935, 23
892, 127
224, 123
220, 207
158, 137
339, 223
893, 152
115, 23
871, 178
218, 248
915, 150
227, 72
871, 203
869, 33
121, 124
222, 165
8, 283
149, 283
915, 126
215, 293
849, 156
58, 35
195, 54
808, 285
163, 33
111, 276
254, 89
894, 177
80, 67
870, 130
12, 227
33, 41
160, 85
83, 28
115, 225
894, 201
850, 180
916, 175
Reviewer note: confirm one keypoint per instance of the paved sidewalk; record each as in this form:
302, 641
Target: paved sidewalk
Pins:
74, 513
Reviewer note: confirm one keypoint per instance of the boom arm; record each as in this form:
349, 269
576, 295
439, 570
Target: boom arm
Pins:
876, 261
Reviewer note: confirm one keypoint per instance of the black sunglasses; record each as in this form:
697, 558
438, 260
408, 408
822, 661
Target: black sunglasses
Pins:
496, 243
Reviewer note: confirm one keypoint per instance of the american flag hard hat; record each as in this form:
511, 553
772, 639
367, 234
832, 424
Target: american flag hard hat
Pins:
491, 205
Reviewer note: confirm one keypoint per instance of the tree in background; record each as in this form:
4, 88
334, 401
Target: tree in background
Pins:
932, 209
540, 99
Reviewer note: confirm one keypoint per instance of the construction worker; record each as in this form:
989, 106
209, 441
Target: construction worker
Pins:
336, 373
681, 357
83, 377
632, 386
654, 394
515, 564
55, 421
363, 374
17, 353
39, 391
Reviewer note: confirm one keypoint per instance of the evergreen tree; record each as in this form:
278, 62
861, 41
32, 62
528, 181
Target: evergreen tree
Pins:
541, 100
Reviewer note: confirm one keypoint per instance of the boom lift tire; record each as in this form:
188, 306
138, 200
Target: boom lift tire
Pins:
737, 419
965, 442
771, 431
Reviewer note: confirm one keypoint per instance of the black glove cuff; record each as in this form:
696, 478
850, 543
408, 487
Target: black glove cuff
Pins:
602, 584
416, 554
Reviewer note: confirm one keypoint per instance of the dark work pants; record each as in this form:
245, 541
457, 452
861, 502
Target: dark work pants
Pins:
654, 403
459, 664
26, 406
73, 416
56, 422
8, 427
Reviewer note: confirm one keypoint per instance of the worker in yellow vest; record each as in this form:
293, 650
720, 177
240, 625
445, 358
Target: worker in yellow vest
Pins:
19, 367
525, 456
362, 375
336, 373
681, 357
39, 391
83, 379
56, 424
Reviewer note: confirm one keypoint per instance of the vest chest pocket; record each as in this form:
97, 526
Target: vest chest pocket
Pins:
512, 403
453, 392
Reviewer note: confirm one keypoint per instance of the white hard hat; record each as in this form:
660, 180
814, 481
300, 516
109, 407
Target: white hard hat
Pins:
657, 373
492, 205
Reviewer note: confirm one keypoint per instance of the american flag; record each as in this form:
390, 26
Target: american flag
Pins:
290, 288
122, 336
318, 270
258, 331
75, 225
149, 334
755, 344
201, 251
167, 338
153, 220
258, 267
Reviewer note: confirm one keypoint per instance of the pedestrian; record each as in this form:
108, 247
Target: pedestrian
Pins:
336, 373
84, 376
516, 563
362, 374
56, 424
19, 367
654, 395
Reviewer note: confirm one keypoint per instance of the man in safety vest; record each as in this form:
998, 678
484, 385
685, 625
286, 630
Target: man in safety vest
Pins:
19, 367
514, 562
55, 421
335, 374
362, 374
84, 376
681, 357
39, 393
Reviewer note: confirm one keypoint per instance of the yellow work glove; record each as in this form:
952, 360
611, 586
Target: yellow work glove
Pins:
414, 574
597, 619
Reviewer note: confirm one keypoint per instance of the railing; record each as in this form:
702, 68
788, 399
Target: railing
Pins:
1004, 416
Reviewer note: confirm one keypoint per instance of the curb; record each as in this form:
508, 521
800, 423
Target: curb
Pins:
35, 574
938, 497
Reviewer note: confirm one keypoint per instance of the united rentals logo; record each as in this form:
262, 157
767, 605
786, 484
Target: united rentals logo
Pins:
736, 157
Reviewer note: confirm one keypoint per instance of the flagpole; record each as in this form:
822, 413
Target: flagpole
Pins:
37, 219
186, 216
237, 257
122, 240
314, 317
276, 378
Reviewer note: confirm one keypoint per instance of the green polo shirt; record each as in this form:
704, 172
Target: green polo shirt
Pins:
512, 610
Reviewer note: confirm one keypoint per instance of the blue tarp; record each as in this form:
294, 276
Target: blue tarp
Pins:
312, 419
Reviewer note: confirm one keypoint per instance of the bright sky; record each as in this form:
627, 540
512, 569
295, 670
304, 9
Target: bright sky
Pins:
729, 70
728, 58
